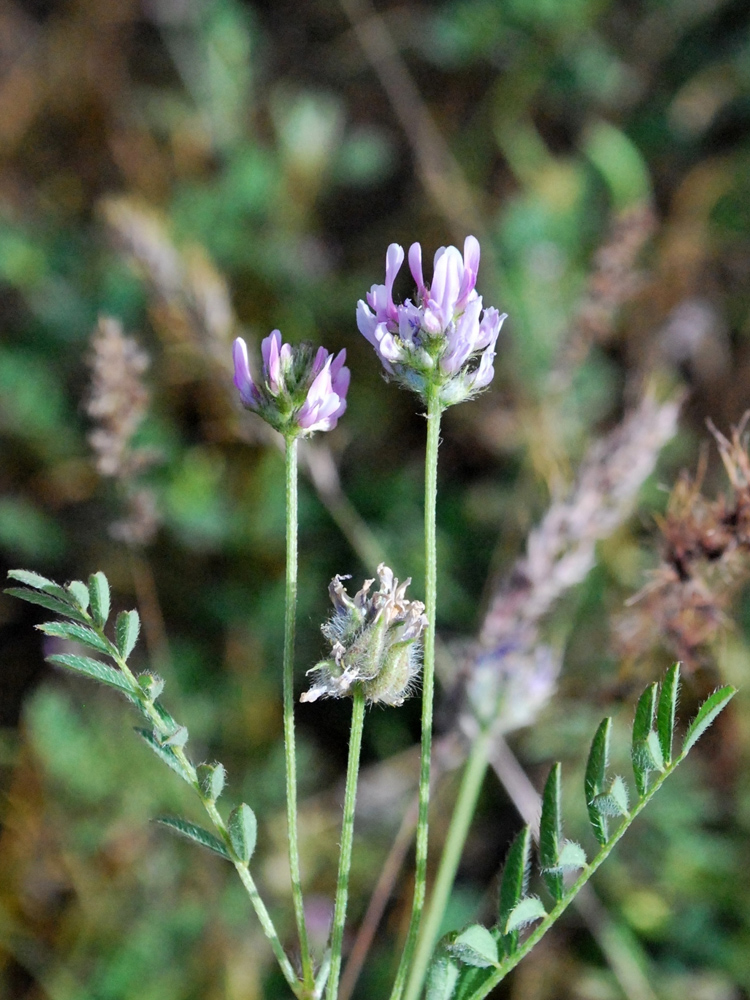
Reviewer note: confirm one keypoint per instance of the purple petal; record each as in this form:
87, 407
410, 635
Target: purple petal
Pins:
394, 258
242, 377
320, 359
463, 339
485, 372
270, 349
366, 322
489, 328
415, 266
471, 269
340, 376
446, 283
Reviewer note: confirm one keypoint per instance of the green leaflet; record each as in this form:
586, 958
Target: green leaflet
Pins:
596, 774
38, 582
151, 684
77, 633
442, 977
94, 669
642, 726
706, 715
527, 912
514, 885
45, 601
550, 833
195, 833
80, 593
127, 627
212, 778
167, 754
99, 595
476, 947
243, 831
665, 713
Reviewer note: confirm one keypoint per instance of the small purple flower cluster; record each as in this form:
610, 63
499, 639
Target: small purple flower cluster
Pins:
300, 391
444, 341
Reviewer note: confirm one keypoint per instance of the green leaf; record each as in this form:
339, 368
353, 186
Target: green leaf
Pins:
45, 601
476, 947
195, 833
550, 833
176, 739
572, 856
166, 754
38, 582
514, 884
93, 669
442, 978
528, 910
665, 713
642, 725
79, 592
99, 594
76, 633
212, 778
613, 802
243, 831
152, 685
596, 775
708, 711
127, 627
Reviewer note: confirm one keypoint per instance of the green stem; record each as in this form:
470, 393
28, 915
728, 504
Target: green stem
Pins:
290, 613
242, 869
538, 933
434, 411
347, 834
463, 812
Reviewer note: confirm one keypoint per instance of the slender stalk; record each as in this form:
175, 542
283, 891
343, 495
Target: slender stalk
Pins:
463, 812
347, 834
290, 614
434, 411
505, 966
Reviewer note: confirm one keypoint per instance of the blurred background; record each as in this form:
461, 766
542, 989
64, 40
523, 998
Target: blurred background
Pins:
176, 172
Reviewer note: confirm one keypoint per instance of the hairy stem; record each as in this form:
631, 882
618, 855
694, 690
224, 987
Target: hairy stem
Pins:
290, 614
347, 834
434, 411
463, 812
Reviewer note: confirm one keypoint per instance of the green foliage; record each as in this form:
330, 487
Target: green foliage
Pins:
476, 946
127, 627
195, 833
243, 832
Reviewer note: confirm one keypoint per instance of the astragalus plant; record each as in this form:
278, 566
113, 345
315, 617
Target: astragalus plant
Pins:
441, 345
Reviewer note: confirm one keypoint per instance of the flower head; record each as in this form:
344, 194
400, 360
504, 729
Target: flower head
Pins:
375, 641
300, 391
444, 338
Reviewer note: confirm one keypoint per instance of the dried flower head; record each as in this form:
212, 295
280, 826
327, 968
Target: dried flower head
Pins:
444, 339
301, 390
117, 404
375, 642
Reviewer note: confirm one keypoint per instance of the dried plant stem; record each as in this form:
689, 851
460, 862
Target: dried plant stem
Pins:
290, 614
463, 813
434, 412
347, 835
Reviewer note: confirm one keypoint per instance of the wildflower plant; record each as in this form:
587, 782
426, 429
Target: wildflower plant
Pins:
440, 345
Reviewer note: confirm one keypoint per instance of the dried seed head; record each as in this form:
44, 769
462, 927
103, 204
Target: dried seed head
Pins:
375, 642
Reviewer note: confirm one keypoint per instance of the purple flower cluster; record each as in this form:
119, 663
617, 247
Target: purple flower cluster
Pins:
443, 340
300, 391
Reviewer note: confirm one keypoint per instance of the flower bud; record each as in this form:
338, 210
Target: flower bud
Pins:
375, 642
